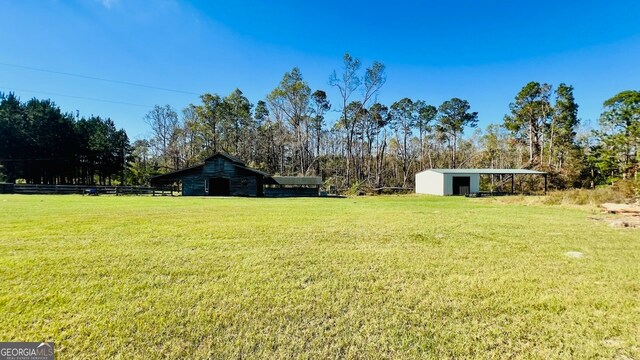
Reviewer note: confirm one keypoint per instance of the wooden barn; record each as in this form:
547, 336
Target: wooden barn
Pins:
220, 175
224, 175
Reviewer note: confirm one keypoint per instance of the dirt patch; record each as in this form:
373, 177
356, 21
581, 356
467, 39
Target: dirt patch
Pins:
612, 208
613, 343
625, 222
574, 254
620, 221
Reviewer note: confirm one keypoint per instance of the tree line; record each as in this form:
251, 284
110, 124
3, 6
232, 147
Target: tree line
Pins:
370, 145
42, 145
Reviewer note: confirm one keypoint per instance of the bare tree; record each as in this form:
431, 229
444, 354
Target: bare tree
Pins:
320, 106
165, 125
347, 83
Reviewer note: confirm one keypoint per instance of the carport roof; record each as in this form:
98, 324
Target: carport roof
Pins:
488, 171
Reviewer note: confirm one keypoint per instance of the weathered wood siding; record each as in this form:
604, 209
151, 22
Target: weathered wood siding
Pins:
243, 186
222, 174
291, 192
193, 185
241, 182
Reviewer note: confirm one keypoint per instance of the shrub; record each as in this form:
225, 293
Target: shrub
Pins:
585, 197
629, 188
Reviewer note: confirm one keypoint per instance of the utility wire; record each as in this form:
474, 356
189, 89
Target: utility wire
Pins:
98, 79
74, 97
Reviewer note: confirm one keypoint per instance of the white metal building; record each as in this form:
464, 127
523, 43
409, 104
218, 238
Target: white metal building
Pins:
462, 181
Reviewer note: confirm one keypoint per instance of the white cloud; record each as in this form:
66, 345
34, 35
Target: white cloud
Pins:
108, 3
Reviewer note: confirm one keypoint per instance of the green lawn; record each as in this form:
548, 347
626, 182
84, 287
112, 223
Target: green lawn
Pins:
369, 277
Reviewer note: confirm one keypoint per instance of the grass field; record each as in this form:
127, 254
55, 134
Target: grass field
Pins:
370, 277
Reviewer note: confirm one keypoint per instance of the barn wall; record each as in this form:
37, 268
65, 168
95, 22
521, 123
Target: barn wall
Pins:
241, 182
291, 192
474, 182
429, 182
243, 186
193, 186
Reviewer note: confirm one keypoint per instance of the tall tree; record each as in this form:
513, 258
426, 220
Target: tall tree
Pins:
164, 124
495, 148
564, 124
210, 113
290, 100
261, 114
320, 105
426, 115
13, 139
238, 124
140, 167
404, 116
52, 144
193, 136
347, 83
379, 115
620, 134
530, 114
265, 155
453, 117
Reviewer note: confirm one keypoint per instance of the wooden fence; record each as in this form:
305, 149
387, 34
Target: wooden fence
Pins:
85, 190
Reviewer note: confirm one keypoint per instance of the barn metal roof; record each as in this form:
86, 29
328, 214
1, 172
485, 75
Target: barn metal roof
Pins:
175, 175
225, 155
252, 170
487, 171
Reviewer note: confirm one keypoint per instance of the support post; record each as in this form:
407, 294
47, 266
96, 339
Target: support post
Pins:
512, 184
545, 184
492, 182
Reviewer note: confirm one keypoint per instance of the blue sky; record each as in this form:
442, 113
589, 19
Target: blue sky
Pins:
480, 50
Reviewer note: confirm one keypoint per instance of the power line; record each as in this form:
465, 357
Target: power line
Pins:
75, 97
98, 79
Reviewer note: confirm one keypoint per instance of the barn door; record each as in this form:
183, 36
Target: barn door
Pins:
461, 185
219, 187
